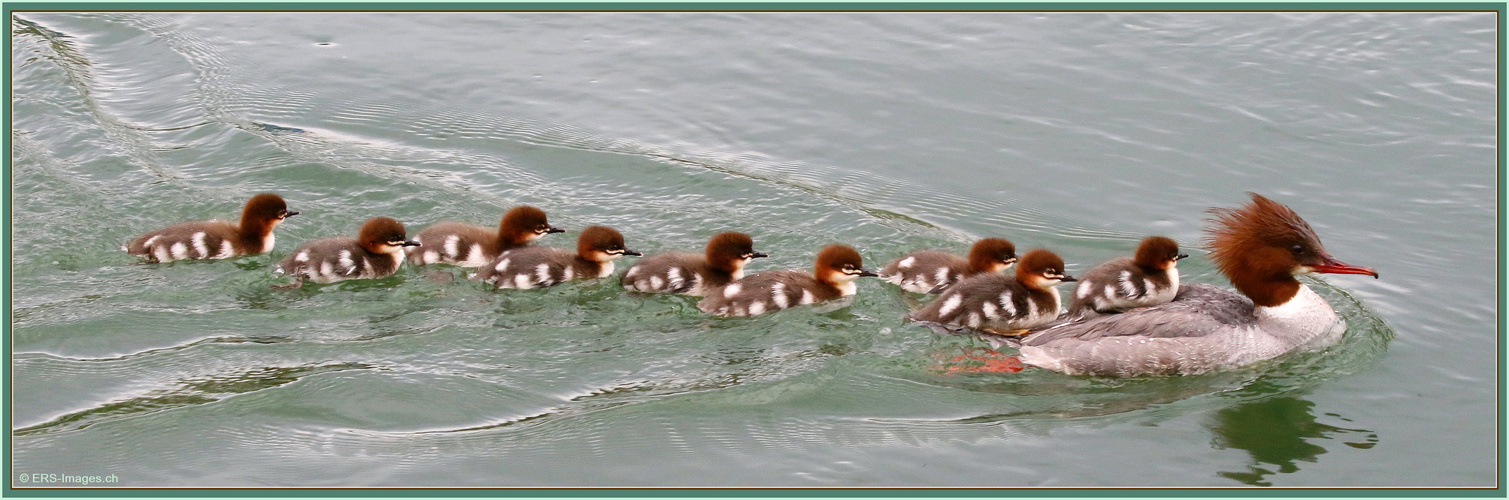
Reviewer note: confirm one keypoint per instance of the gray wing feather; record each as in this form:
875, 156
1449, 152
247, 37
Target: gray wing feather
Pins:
1198, 310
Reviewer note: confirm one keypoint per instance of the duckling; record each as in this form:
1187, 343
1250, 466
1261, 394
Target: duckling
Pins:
690, 274
216, 239
833, 275
1001, 304
931, 271
538, 267
376, 252
1148, 278
466, 245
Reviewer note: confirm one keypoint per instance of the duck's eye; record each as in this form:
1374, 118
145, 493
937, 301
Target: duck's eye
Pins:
1297, 249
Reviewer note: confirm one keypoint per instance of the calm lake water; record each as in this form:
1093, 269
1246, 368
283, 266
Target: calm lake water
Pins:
890, 132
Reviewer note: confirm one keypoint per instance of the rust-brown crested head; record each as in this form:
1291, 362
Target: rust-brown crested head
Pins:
731, 250
1262, 245
601, 244
524, 223
1041, 269
1157, 253
840, 263
384, 235
991, 255
266, 209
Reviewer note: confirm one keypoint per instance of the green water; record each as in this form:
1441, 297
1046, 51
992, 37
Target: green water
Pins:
892, 132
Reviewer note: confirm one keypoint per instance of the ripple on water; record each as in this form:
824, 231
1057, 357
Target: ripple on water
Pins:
393, 381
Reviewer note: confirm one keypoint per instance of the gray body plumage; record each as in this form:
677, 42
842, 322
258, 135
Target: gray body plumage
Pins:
1203, 328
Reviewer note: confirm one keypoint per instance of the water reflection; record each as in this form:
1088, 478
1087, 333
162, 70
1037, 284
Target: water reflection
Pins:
1278, 433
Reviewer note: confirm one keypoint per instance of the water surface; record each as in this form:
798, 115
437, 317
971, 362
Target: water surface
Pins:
1078, 132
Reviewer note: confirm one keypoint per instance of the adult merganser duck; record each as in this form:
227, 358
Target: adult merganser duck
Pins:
1260, 247
466, 245
832, 276
690, 274
1146, 279
539, 267
216, 239
931, 271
